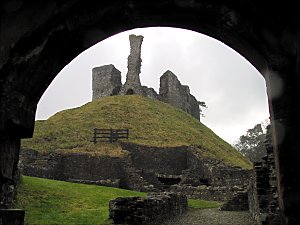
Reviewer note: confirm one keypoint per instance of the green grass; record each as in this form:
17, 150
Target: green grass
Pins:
58, 202
151, 122
203, 204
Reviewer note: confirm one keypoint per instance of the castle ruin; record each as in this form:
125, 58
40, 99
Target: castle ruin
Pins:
107, 82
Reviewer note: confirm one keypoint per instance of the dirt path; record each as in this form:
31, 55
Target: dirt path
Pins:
211, 217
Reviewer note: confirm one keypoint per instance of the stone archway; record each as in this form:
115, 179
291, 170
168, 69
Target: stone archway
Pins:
129, 92
39, 39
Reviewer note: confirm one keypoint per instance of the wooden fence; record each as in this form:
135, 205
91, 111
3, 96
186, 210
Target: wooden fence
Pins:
109, 135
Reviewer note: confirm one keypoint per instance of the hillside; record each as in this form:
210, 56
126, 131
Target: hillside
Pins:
150, 122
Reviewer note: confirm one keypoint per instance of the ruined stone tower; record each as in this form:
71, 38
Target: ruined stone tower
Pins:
171, 91
106, 81
133, 83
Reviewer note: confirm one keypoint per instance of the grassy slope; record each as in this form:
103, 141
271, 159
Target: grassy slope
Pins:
151, 122
58, 202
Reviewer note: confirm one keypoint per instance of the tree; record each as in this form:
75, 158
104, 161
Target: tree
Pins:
202, 105
252, 144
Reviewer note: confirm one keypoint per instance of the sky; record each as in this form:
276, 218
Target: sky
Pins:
233, 90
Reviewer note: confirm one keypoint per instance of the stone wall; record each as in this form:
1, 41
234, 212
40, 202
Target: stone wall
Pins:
169, 160
150, 92
238, 202
80, 168
106, 81
194, 107
263, 195
171, 91
133, 83
147, 210
229, 176
210, 193
143, 169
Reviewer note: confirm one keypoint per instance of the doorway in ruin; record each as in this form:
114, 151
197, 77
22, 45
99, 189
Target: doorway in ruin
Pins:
130, 92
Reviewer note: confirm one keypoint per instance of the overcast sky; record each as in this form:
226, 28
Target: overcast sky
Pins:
231, 87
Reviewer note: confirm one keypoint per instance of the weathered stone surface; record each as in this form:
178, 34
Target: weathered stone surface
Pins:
150, 92
171, 91
238, 202
262, 189
204, 192
106, 81
147, 210
144, 169
133, 83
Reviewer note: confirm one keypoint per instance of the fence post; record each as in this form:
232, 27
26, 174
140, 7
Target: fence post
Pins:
111, 135
95, 135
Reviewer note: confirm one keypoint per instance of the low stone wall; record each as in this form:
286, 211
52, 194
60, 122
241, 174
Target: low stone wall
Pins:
262, 190
238, 202
210, 193
72, 166
108, 183
147, 210
143, 169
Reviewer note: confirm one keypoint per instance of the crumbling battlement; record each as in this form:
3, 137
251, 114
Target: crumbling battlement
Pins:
171, 91
107, 82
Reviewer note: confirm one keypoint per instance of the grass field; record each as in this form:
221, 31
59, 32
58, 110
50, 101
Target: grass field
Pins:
58, 202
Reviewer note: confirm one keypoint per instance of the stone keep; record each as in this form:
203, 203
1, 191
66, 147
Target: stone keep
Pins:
106, 81
133, 83
171, 91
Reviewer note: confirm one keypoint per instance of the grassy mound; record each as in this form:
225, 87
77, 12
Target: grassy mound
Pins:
150, 122
58, 202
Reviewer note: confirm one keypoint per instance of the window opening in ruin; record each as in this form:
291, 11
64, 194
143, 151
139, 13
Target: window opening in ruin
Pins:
130, 92
204, 181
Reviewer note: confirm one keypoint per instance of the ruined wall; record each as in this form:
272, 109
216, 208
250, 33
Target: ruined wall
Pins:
209, 193
169, 160
143, 169
74, 167
194, 107
171, 91
150, 92
237, 202
262, 189
213, 172
147, 210
229, 176
106, 81
133, 83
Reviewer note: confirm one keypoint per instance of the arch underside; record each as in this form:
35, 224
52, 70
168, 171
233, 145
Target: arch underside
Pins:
39, 39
